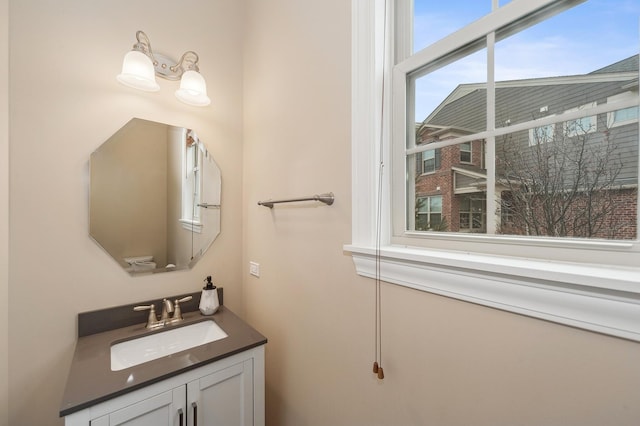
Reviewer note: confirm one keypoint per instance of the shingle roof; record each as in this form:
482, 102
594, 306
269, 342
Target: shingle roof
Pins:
626, 65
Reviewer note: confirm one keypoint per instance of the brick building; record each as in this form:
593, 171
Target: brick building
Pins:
594, 194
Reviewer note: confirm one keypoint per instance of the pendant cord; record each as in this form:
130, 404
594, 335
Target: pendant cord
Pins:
377, 365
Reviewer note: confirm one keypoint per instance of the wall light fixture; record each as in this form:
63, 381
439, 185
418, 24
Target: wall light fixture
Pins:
141, 66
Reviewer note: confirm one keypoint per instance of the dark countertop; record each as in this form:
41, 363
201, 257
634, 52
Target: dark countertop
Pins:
91, 380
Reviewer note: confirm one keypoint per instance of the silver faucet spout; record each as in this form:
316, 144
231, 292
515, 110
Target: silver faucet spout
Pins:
167, 308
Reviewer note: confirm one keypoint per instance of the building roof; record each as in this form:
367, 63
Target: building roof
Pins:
521, 100
626, 65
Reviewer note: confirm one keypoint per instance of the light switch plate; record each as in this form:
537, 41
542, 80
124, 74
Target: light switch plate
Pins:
254, 269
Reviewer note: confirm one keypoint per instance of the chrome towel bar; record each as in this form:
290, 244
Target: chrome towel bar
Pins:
323, 198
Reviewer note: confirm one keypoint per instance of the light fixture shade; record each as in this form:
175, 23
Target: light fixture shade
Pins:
193, 89
138, 72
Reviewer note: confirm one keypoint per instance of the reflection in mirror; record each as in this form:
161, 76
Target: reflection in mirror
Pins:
154, 197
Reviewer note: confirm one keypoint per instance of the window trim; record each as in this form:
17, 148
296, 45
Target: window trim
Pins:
567, 293
469, 151
436, 162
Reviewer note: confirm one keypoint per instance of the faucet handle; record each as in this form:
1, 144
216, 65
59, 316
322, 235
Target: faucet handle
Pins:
184, 299
152, 321
177, 315
144, 308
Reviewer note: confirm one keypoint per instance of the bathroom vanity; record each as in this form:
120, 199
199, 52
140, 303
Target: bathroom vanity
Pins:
217, 383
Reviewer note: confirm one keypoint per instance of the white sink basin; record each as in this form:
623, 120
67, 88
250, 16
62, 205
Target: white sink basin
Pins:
144, 349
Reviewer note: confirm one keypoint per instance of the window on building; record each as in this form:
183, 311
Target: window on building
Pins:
472, 214
465, 152
623, 116
583, 125
430, 161
429, 213
542, 134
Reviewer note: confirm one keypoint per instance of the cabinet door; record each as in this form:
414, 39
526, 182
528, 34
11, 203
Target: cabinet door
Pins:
165, 409
223, 398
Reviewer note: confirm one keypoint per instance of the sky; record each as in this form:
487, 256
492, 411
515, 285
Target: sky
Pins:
580, 40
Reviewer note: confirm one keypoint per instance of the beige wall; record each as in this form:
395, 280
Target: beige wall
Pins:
4, 210
446, 362
65, 102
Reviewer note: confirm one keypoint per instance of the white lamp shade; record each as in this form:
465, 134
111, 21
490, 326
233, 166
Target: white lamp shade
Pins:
193, 89
138, 72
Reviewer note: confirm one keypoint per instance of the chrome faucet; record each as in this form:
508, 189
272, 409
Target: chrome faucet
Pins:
166, 318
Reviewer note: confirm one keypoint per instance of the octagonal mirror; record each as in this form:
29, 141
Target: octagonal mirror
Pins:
154, 197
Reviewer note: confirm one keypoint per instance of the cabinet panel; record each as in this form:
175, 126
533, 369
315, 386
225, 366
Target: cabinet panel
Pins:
159, 410
228, 392
224, 398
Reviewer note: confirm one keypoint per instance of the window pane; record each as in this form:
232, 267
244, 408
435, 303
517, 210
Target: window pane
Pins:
465, 152
582, 186
453, 96
453, 198
428, 215
567, 62
433, 20
575, 177
626, 114
435, 204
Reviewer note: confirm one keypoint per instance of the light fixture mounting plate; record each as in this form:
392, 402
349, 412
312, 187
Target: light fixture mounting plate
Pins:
166, 67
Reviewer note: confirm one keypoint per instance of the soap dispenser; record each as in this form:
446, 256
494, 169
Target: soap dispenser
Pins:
209, 302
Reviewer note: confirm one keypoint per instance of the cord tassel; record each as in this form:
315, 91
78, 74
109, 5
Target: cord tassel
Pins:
380, 373
375, 367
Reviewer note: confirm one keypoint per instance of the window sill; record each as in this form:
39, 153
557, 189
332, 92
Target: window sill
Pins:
595, 298
191, 225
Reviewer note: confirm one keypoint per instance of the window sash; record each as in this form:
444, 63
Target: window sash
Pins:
466, 152
402, 75
430, 161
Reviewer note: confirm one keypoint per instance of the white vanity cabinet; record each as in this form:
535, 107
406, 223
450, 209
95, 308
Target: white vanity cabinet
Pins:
223, 398
226, 392
160, 410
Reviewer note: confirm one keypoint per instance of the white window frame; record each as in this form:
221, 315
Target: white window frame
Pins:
470, 151
435, 163
604, 298
191, 183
